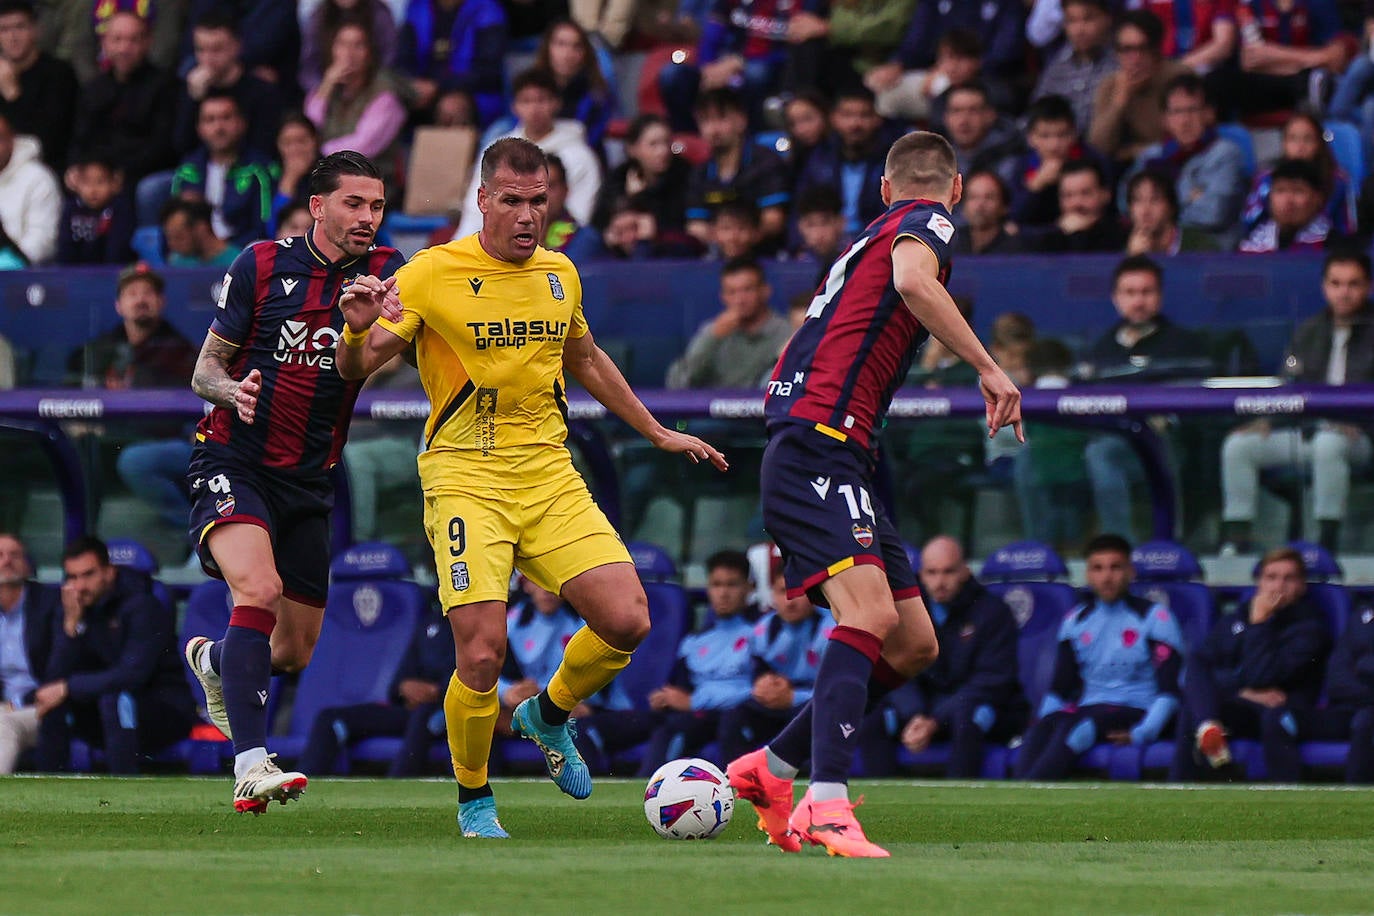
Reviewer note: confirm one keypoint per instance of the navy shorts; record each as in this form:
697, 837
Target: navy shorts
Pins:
819, 508
294, 511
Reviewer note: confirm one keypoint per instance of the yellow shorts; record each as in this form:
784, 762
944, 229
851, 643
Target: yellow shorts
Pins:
551, 531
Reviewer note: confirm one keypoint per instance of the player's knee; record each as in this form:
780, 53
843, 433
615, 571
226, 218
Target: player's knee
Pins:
627, 628
262, 591
479, 665
293, 656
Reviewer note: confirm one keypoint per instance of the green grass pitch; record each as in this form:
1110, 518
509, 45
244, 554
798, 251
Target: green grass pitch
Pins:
173, 845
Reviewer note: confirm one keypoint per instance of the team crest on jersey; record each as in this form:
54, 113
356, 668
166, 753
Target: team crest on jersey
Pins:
225, 506
555, 286
941, 227
459, 574
864, 535
343, 287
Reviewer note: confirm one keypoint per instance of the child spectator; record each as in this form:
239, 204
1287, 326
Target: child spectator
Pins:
97, 219
559, 224
1054, 141
735, 227
1304, 138
1296, 219
820, 226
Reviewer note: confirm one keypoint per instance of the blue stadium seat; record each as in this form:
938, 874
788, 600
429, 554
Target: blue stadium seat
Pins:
1024, 575
207, 614
1167, 573
668, 615
369, 619
1346, 146
131, 554
147, 244
1239, 134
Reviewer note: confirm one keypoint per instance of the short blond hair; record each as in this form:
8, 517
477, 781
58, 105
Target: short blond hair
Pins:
921, 161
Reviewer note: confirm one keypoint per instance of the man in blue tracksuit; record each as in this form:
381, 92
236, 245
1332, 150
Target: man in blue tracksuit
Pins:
971, 694
786, 647
1254, 669
1116, 673
114, 676
1347, 716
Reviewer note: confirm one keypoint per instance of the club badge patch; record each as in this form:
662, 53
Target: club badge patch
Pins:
555, 286
459, 573
225, 506
864, 535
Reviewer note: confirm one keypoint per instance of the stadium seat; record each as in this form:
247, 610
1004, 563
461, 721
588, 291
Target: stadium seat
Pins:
147, 244
1239, 134
668, 615
369, 620
1024, 575
1346, 146
1167, 573
130, 554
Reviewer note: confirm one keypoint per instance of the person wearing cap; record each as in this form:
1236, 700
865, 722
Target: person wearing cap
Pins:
143, 350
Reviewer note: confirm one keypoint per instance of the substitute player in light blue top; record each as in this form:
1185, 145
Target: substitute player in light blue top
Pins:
1116, 673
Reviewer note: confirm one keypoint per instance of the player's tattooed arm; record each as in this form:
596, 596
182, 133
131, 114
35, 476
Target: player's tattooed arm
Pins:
213, 383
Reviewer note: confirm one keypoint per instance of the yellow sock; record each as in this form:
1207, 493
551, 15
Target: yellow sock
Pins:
588, 665
470, 718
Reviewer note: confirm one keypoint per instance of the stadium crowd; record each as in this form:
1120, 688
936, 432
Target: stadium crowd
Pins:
752, 121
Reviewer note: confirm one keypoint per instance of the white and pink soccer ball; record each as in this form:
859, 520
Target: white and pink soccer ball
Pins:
688, 799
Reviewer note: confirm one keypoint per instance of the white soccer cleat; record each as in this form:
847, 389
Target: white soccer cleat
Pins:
197, 654
264, 783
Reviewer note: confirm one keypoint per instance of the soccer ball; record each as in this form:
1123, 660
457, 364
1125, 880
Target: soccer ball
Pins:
688, 799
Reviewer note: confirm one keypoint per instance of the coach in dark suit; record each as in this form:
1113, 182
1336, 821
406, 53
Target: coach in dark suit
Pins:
27, 611
115, 676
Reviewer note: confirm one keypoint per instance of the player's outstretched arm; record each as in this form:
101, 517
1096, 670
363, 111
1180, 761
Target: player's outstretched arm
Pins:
598, 373
915, 274
212, 381
364, 346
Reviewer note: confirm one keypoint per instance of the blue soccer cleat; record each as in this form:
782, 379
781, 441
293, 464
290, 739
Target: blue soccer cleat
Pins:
566, 767
477, 818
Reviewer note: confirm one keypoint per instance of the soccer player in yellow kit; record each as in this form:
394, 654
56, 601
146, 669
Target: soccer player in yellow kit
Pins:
496, 320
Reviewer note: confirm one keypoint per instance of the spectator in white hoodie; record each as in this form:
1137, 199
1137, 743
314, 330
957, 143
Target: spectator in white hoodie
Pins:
535, 101
30, 199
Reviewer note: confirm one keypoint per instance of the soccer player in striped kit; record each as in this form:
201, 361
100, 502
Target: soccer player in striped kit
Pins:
259, 474
828, 395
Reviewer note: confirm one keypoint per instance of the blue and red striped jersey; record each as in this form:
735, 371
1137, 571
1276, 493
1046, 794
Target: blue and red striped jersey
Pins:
279, 306
841, 368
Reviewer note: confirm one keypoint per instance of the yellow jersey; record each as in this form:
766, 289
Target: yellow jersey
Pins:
488, 340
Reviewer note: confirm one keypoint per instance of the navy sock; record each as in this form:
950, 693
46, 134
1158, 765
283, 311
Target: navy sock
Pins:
466, 795
216, 651
246, 657
793, 743
838, 701
549, 711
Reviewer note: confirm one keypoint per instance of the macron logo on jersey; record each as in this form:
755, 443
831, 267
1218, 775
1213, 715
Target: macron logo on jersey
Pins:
288, 284
296, 345
941, 227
